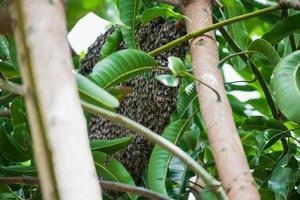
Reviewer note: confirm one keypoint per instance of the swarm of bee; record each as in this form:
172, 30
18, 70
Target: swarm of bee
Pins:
150, 103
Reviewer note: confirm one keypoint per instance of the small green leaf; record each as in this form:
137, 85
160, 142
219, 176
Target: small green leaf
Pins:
17, 113
283, 29
4, 49
92, 93
110, 146
112, 44
233, 8
261, 123
150, 14
160, 158
110, 169
285, 83
19, 170
128, 12
120, 66
265, 48
176, 65
105, 9
168, 80
284, 176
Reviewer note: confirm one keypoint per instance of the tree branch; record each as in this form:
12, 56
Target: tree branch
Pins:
157, 139
230, 158
5, 113
107, 185
175, 3
295, 4
199, 32
11, 87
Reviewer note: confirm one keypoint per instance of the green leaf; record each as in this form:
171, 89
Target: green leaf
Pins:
4, 49
111, 44
168, 80
150, 14
284, 176
17, 112
160, 158
110, 169
261, 123
128, 12
283, 29
110, 146
19, 170
285, 83
176, 65
92, 93
120, 66
265, 48
185, 101
233, 8
8, 70
105, 9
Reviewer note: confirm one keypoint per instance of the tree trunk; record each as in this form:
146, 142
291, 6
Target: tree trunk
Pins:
57, 123
229, 155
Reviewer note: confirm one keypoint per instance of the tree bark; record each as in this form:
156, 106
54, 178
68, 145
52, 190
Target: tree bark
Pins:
229, 155
57, 123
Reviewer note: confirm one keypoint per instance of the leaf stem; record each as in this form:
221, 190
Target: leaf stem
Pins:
157, 139
11, 87
213, 27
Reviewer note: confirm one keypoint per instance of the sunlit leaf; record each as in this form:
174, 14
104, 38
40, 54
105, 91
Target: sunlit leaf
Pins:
110, 146
120, 66
286, 86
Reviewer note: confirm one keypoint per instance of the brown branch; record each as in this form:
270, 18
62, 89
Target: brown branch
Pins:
5, 21
295, 4
107, 185
5, 113
228, 152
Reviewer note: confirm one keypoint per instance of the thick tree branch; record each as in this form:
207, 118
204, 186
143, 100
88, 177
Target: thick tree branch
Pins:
231, 162
11, 87
64, 161
106, 185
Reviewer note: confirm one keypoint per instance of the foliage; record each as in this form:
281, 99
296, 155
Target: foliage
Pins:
266, 41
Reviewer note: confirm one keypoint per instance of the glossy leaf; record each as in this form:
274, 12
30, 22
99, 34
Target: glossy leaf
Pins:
176, 65
283, 29
120, 66
168, 80
105, 9
284, 176
285, 83
111, 170
150, 14
19, 170
238, 31
110, 146
92, 93
128, 12
111, 44
265, 48
262, 123
185, 101
4, 51
160, 158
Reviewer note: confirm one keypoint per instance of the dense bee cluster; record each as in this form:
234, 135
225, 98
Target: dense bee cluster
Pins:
150, 103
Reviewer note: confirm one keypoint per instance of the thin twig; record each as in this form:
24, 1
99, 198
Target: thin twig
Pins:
157, 139
5, 113
108, 185
213, 27
11, 87
175, 3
